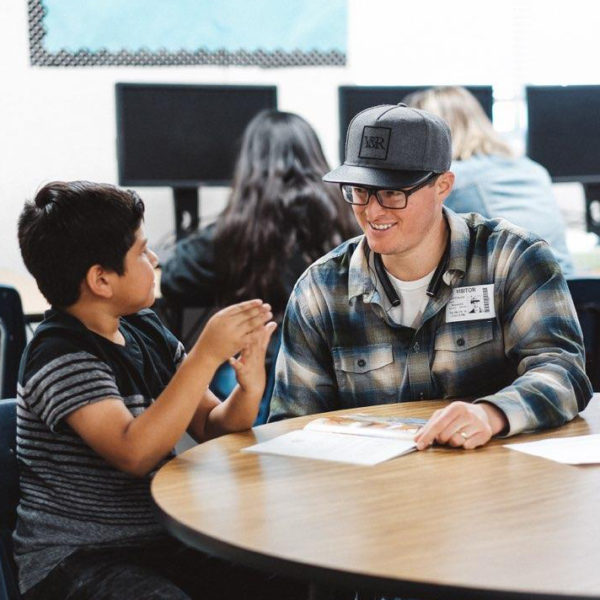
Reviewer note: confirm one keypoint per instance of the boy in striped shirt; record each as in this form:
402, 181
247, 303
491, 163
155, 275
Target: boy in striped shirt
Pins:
105, 391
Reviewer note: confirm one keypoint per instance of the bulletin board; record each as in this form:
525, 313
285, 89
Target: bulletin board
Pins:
265, 33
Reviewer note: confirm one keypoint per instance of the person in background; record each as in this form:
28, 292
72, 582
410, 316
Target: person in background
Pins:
105, 391
490, 179
279, 219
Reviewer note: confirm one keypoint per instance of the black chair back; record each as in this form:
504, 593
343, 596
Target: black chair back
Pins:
9, 497
12, 340
586, 297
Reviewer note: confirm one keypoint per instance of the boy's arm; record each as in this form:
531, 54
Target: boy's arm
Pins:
238, 412
136, 444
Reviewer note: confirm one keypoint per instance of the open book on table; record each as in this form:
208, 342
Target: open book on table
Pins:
357, 438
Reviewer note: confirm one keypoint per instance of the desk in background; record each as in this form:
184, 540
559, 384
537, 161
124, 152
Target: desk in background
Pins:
441, 523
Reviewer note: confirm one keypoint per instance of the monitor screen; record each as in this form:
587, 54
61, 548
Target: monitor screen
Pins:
563, 131
183, 135
353, 99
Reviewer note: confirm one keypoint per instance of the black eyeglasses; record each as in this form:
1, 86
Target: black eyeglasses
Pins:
394, 199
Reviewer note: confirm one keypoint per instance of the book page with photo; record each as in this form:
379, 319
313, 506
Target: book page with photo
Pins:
370, 425
360, 439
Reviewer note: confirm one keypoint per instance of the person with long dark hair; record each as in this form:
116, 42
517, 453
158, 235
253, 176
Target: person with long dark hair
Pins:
280, 218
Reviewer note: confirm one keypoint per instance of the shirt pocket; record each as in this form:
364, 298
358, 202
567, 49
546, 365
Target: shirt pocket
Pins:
468, 356
363, 371
464, 337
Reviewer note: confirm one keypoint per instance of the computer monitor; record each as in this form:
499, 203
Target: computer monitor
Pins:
183, 135
354, 98
563, 132
563, 135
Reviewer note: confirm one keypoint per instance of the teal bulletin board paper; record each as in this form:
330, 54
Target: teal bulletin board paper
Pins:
176, 25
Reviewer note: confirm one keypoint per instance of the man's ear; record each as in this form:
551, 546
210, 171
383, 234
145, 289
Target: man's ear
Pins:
444, 184
99, 281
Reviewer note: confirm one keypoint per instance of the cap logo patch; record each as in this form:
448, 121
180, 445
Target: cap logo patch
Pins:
375, 142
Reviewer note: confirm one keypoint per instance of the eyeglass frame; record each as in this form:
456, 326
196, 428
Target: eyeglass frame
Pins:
373, 191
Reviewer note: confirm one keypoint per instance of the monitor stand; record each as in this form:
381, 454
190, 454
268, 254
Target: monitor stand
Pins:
592, 207
187, 214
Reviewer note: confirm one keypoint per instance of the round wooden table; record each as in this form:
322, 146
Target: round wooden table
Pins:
448, 523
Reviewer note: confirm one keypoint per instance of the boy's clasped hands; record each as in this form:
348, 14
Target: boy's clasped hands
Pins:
240, 334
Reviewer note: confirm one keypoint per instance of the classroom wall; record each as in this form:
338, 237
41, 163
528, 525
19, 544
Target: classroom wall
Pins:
59, 123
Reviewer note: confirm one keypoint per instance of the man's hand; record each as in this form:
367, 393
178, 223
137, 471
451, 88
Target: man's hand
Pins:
462, 424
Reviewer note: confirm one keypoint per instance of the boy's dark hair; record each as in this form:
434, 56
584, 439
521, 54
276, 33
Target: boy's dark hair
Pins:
73, 225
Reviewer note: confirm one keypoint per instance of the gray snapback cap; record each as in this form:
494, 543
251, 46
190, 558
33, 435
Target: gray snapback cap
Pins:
393, 146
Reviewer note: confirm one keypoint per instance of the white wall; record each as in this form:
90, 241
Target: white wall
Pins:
59, 123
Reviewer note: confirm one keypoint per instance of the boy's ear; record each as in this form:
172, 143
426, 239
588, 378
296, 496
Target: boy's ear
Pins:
99, 281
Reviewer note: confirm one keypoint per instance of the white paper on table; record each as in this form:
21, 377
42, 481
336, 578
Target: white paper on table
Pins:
340, 447
578, 450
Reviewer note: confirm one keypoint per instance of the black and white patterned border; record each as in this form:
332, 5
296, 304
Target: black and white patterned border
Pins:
143, 58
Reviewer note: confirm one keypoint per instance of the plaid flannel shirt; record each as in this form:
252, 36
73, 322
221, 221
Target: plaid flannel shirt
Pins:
340, 349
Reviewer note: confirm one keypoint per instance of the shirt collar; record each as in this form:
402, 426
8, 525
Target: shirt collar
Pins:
360, 282
360, 277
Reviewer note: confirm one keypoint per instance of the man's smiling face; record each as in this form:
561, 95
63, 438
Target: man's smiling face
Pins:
397, 232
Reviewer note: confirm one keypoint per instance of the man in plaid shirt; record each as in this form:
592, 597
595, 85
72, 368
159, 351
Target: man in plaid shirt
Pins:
429, 304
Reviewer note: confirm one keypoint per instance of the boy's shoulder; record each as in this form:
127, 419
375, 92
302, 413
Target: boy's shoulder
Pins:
62, 335
58, 330
58, 335
61, 326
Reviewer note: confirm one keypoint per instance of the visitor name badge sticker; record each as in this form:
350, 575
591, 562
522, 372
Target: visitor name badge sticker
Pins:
471, 303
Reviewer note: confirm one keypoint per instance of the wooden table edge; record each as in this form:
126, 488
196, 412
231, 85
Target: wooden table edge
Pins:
314, 574
336, 577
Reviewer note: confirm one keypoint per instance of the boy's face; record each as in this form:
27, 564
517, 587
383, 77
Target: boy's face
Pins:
135, 288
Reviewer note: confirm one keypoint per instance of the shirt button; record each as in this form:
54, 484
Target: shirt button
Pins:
361, 362
460, 342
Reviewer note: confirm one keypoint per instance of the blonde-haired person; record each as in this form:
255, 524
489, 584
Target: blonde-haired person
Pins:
490, 179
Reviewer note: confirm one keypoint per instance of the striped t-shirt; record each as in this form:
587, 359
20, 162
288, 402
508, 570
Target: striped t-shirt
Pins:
70, 496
